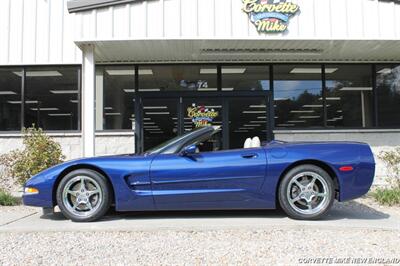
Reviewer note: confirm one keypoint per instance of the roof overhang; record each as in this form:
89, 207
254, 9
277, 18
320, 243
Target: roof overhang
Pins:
82, 5
246, 50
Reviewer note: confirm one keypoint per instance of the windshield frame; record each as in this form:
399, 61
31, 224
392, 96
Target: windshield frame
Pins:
176, 144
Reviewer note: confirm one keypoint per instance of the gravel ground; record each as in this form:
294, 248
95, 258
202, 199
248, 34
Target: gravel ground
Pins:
221, 247
275, 245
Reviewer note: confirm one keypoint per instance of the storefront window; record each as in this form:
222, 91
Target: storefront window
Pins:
160, 121
52, 97
115, 98
249, 78
388, 86
10, 99
349, 96
297, 96
247, 119
178, 78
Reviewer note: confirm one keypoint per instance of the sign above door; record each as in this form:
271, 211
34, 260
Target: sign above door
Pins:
270, 16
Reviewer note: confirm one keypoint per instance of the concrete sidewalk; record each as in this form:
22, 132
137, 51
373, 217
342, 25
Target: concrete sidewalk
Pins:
343, 215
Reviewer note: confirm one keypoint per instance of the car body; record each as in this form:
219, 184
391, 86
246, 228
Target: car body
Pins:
176, 177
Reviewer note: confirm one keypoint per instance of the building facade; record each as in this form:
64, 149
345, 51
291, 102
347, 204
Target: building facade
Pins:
121, 76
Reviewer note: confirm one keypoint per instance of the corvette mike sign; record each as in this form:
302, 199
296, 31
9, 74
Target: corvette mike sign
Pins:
270, 16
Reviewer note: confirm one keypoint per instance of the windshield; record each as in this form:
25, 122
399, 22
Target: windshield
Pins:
160, 147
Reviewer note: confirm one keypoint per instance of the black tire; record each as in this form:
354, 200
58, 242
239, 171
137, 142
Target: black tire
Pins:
103, 204
283, 193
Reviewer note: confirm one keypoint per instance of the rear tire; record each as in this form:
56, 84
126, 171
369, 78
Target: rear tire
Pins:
306, 192
83, 195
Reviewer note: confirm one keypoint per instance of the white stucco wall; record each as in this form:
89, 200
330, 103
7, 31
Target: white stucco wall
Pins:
37, 32
224, 19
71, 144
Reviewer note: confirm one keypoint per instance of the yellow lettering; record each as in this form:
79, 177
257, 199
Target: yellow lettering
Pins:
253, 6
266, 24
270, 26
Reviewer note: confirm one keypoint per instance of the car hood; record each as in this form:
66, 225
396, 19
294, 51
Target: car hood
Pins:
95, 161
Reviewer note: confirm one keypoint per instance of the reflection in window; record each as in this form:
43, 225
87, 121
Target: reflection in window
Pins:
252, 78
52, 98
115, 98
388, 86
160, 118
10, 99
178, 78
199, 112
349, 96
297, 96
247, 118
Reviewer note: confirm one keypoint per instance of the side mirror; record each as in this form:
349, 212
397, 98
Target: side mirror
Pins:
189, 150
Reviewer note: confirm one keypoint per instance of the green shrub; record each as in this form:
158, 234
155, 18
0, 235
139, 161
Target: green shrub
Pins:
40, 152
392, 162
387, 196
390, 195
6, 199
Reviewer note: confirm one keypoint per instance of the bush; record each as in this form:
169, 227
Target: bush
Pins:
40, 152
6, 199
387, 196
392, 162
390, 195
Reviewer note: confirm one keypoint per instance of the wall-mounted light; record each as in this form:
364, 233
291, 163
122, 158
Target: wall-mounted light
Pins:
112, 114
27, 102
157, 113
299, 70
223, 70
7, 93
45, 109
64, 91
128, 72
356, 89
302, 111
309, 116
155, 107
385, 71
66, 114
50, 73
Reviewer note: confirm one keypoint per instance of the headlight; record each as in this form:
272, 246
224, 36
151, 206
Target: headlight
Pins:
31, 190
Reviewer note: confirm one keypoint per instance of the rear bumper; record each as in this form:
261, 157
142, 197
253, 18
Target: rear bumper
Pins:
357, 183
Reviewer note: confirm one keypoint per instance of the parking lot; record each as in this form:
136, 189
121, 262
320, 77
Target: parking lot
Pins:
357, 229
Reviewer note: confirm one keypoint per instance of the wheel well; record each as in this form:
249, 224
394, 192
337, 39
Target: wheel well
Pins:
76, 167
320, 164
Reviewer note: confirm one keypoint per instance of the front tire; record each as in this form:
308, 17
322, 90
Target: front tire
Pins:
83, 195
306, 192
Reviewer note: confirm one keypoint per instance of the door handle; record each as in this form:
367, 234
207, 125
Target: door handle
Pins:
249, 155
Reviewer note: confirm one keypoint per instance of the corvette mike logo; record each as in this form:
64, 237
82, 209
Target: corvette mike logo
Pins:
201, 116
270, 16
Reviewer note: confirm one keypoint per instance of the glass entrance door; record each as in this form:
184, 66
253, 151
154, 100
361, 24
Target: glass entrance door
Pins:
160, 121
239, 117
200, 112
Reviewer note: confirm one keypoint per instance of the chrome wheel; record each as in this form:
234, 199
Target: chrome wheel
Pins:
308, 193
82, 196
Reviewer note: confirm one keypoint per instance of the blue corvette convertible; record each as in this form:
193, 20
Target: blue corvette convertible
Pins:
303, 178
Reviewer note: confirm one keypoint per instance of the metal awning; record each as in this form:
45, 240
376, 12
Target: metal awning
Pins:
175, 51
82, 5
